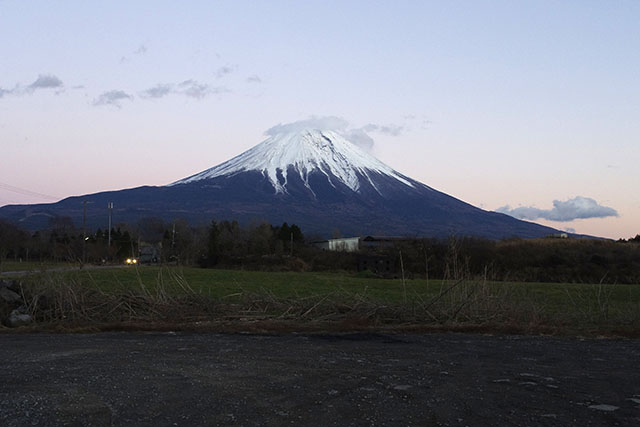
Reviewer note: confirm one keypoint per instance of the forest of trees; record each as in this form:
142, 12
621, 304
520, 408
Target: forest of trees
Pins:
262, 246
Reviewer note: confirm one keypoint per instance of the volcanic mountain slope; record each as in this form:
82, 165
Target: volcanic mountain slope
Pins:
315, 178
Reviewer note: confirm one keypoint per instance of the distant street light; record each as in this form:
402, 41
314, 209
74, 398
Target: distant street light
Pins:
84, 231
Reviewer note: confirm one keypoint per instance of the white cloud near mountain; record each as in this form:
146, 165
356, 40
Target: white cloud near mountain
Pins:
360, 138
563, 211
357, 135
314, 122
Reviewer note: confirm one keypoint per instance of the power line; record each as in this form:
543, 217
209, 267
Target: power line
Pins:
25, 192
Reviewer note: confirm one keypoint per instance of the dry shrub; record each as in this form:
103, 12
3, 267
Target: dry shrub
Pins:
55, 298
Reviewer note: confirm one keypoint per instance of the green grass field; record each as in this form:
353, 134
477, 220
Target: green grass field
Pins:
8, 266
336, 295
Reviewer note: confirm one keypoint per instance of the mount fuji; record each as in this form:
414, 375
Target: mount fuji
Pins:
316, 178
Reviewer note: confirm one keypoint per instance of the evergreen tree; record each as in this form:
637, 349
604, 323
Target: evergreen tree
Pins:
298, 237
213, 245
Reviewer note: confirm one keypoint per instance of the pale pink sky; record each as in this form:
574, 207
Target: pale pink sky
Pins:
496, 103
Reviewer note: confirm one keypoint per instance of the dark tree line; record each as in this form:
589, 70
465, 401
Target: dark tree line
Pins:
527, 260
262, 246
63, 242
230, 244
225, 243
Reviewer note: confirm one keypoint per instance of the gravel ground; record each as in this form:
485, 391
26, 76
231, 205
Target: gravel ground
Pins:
190, 379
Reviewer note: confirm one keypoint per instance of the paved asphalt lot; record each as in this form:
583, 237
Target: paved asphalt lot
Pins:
190, 379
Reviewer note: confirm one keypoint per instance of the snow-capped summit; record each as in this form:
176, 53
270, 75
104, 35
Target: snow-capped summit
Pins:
301, 152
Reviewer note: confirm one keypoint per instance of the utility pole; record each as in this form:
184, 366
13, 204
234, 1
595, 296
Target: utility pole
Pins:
173, 235
291, 252
84, 232
110, 207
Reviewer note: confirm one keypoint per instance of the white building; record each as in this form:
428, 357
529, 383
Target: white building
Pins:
347, 244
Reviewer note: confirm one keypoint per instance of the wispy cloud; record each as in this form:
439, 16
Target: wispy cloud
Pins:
223, 71
45, 81
254, 79
361, 137
195, 89
421, 121
391, 130
141, 50
112, 97
190, 88
158, 91
572, 209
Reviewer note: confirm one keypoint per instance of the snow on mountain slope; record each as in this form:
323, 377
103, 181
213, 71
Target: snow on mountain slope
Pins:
305, 151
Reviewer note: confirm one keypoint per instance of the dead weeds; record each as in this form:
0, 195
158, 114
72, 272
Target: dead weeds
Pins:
62, 304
